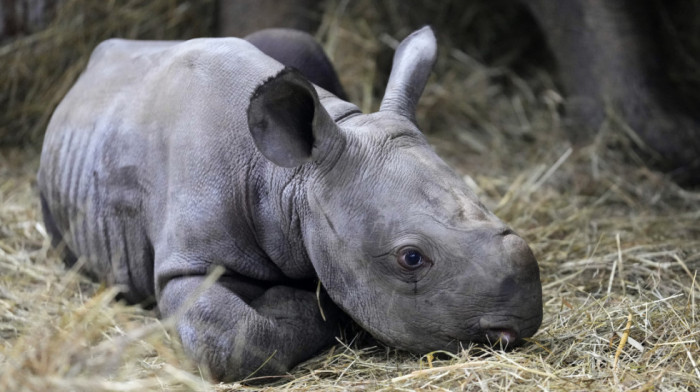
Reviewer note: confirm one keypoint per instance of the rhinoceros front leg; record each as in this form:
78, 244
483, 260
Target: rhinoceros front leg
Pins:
236, 336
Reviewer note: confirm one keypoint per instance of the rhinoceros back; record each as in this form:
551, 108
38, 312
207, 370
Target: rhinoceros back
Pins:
145, 124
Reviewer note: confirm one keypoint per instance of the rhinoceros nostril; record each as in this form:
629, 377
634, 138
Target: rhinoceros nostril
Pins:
509, 288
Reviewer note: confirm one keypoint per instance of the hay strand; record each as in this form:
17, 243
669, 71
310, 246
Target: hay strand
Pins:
593, 216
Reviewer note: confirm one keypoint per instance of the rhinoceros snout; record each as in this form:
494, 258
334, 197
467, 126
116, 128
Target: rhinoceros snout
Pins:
516, 311
519, 273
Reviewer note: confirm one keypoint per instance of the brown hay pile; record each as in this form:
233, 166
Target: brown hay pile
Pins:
618, 246
38, 69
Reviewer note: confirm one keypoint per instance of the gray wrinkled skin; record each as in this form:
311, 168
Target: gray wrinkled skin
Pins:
167, 159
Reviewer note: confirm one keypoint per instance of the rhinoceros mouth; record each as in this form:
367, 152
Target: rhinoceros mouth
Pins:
504, 332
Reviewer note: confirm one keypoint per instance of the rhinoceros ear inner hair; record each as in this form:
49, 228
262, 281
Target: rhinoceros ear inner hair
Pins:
281, 118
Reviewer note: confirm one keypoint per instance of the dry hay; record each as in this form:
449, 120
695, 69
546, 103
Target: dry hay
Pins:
618, 246
38, 69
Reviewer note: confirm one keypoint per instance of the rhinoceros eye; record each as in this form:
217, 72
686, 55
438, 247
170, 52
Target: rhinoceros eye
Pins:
411, 258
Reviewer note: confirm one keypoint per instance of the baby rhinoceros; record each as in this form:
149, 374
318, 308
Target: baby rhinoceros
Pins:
167, 160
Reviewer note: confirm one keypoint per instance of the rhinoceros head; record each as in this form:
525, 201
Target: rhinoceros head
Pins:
397, 238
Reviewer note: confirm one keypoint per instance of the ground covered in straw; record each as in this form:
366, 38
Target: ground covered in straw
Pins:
618, 247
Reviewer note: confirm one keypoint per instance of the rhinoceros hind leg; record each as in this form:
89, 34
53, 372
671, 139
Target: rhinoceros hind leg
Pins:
57, 242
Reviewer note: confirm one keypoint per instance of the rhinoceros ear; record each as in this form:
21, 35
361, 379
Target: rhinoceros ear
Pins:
288, 124
413, 62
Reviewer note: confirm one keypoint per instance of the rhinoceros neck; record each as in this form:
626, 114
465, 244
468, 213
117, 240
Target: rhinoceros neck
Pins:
279, 203
281, 214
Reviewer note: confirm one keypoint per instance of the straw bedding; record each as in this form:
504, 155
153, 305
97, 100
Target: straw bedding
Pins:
618, 244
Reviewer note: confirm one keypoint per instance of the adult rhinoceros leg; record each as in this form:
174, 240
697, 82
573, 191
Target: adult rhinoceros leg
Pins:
236, 336
607, 54
299, 50
237, 18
